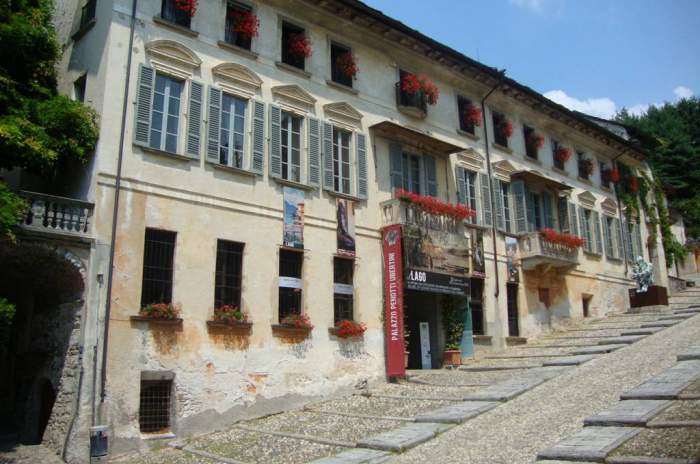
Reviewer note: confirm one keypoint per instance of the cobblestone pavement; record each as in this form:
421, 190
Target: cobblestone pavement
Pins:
502, 408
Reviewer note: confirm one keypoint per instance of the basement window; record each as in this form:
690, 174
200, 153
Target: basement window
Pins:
290, 283
155, 405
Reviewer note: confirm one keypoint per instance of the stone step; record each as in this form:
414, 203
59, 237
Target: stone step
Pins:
589, 444
626, 340
692, 355
647, 331
663, 324
569, 360
630, 412
403, 438
356, 456
668, 384
456, 413
600, 349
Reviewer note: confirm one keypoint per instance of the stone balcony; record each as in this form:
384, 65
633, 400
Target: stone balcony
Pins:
535, 251
56, 216
397, 211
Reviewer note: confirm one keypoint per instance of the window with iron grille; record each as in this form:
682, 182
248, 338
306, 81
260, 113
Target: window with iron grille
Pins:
159, 250
343, 269
165, 113
87, 14
234, 11
341, 160
530, 147
229, 260
290, 283
232, 131
155, 406
170, 12
465, 124
288, 30
498, 135
557, 162
476, 304
582, 172
337, 73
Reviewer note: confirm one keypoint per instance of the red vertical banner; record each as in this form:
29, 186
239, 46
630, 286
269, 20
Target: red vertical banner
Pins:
393, 301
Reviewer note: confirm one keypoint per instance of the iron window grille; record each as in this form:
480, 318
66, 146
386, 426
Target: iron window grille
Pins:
410, 100
530, 147
293, 60
290, 298
557, 163
159, 250
337, 73
465, 124
155, 405
171, 13
229, 260
234, 9
343, 270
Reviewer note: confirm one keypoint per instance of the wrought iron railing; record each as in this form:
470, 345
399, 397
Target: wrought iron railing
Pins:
534, 245
397, 211
415, 101
50, 213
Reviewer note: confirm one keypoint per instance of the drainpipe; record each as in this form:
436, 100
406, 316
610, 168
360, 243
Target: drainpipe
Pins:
117, 191
619, 208
488, 170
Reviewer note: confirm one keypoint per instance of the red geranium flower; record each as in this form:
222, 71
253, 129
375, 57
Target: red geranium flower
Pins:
634, 184
507, 128
410, 84
614, 175
245, 23
299, 45
562, 154
347, 65
567, 240
432, 205
347, 329
535, 140
472, 115
188, 6
431, 91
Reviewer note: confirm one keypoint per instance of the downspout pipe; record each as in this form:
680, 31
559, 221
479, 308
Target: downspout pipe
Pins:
488, 170
115, 211
619, 208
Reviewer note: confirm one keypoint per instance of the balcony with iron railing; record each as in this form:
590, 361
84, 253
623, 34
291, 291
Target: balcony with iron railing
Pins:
57, 216
535, 251
403, 212
413, 104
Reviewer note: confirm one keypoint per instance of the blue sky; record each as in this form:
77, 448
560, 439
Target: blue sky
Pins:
589, 55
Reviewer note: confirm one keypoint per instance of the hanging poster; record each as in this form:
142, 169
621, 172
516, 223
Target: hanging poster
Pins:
393, 301
293, 233
478, 262
345, 212
511, 253
437, 260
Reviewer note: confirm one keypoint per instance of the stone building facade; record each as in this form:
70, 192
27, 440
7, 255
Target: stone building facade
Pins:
218, 130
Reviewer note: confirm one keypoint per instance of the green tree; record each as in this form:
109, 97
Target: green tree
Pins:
40, 130
674, 147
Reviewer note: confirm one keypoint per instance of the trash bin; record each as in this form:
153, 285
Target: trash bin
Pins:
99, 444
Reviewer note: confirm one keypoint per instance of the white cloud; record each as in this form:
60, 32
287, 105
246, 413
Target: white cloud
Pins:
638, 110
534, 5
602, 107
683, 92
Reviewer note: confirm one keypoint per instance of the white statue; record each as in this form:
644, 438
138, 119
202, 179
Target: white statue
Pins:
643, 274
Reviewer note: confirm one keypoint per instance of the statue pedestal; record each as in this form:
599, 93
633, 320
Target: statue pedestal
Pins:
655, 295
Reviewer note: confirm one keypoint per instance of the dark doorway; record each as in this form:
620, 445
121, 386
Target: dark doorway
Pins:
47, 397
586, 305
422, 307
513, 326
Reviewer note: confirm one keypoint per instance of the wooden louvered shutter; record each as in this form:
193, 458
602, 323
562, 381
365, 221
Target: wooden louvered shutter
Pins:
430, 173
638, 239
595, 220
257, 144
628, 240
361, 159
396, 161
328, 156
573, 221
314, 175
461, 186
144, 99
194, 119
619, 248
520, 210
498, 205
530, 204
607, 236
547, 207
275, 154
214, 125
486, 213
563, 215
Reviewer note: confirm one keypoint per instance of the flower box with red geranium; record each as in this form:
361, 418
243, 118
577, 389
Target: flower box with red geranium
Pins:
586, 167
186, 6
562, 154
293, 326
610, 175
347, 65
559, 238
506, 128
472, 115
535, 141
229, 314
348, 329
419, 87
432, 205
245, 23
633, 184
298, 45
159, 312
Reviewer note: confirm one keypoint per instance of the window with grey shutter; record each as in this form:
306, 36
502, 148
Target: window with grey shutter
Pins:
314, 176
595, 223
361, 159
327, 156
519, 207
430, 175
573, 222
498, 205
606, 223
275, 141
194, 119
214, 125
638, 240
461, 185
619, 243
530, 204
144, 96
486, 215
396, 165
548, 210
585, 231
258, 134
627, 240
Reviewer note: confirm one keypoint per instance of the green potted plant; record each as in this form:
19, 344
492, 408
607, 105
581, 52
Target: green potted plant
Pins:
454, 325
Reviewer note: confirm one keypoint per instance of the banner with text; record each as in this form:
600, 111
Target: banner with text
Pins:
393, 301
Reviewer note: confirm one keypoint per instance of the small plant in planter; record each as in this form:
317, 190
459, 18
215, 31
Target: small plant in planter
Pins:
611, 175
245, 23
453, 326
507, 128
299, 45
412, 84
188, 6
230, 314
586, 166
472, 115
348, 66
347, 328
535, 141
160, 311
562, 154
567, 240
298, 321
